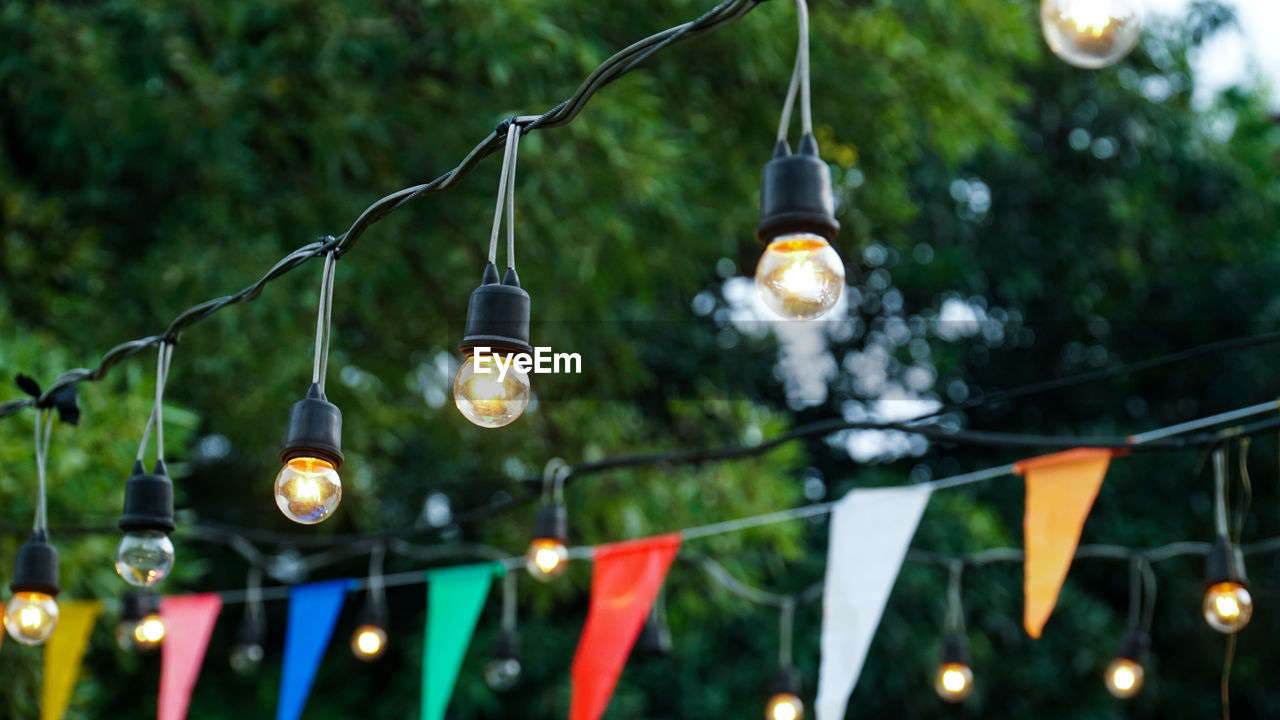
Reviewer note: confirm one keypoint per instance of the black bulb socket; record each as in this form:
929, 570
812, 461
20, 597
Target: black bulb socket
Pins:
497, 315
375, 614
136, 606
36, 569
253, 631
507, 646
786, 681
655, 638
796, 195
1224, 564
315, 430
148, 500
1134, 646
552, 523
955, 649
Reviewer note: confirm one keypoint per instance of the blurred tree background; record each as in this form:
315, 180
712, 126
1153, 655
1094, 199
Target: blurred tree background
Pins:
1007, 219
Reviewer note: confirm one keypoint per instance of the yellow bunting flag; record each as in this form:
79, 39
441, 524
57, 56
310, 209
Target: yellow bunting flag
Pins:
63, 653
1061, 489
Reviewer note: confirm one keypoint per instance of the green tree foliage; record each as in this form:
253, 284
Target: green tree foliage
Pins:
154, 155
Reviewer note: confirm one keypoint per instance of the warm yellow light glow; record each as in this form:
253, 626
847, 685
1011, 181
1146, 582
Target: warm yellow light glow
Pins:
31, 617
784, 706
800, 276
150, 630
547, 559
486, 400
1228, 606
308, 490
1091, 33
954, 682
368, 642
1124, 677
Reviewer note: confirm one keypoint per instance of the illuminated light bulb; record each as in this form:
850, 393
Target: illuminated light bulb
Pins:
503, 671
487, 401
497, 327
1123, 678
1228, 606
1091, 33
30, 617
368, 642
141, 628
784, 706
144, 558
308, 490
800, 276
547, 559
954, 682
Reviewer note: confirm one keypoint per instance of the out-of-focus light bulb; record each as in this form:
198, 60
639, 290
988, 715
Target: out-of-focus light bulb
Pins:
30, 617
140, 635
1124, 677
784, 706
246, 656
954, 682
800, 276
502, 674
547, 559
487, 401
144, 558
368, 642
308, 490
1091, 33
1228, 606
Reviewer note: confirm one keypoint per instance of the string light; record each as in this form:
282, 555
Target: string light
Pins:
1227, 604
1124, 674
784, 701
799, 276
502, 672
953, 681
141, 629
1091, 34
548, 554
491, 388
31, 615
308, 489
369, 641
145, 554
249, 648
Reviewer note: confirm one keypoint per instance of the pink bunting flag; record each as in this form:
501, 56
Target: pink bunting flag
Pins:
188, 623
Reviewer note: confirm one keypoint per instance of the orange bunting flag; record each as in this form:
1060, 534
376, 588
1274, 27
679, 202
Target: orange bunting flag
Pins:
1061, 489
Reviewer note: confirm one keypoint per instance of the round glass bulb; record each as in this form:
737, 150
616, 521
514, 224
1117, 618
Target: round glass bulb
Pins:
144, 558
784, 706
547, 559
1227, 607
308, 490
1123, 678
954, 682
246, 656
502, 674
140, 635
30, 617
800, 276
368, 642
487, 401
1091, 33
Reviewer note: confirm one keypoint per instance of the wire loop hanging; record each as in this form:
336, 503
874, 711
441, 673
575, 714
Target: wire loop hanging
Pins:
553, 478
43, 429
324, 317
507, 197
799, 80
156, 419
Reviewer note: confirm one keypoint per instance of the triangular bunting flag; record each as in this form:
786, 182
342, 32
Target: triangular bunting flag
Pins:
625, 581
870, 532
313, 611
1061, 489
63, 653
455, 597
188, 623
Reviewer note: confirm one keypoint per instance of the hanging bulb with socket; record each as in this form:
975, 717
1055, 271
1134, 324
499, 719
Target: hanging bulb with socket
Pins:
141, 629
799, 276
250, 646
492, 386
308, 489
548, 554
954, 679
1091, 34
32, 613
784, 702
1227, 605
369, 641
145, 554
502, 672
1124, 674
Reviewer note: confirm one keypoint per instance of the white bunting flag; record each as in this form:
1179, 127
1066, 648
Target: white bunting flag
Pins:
870, 532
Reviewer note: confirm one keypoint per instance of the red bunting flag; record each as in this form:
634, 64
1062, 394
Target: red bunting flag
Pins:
625, 582
188, 623
1061, 489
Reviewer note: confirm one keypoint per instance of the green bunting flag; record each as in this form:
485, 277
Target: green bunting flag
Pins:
455, 597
